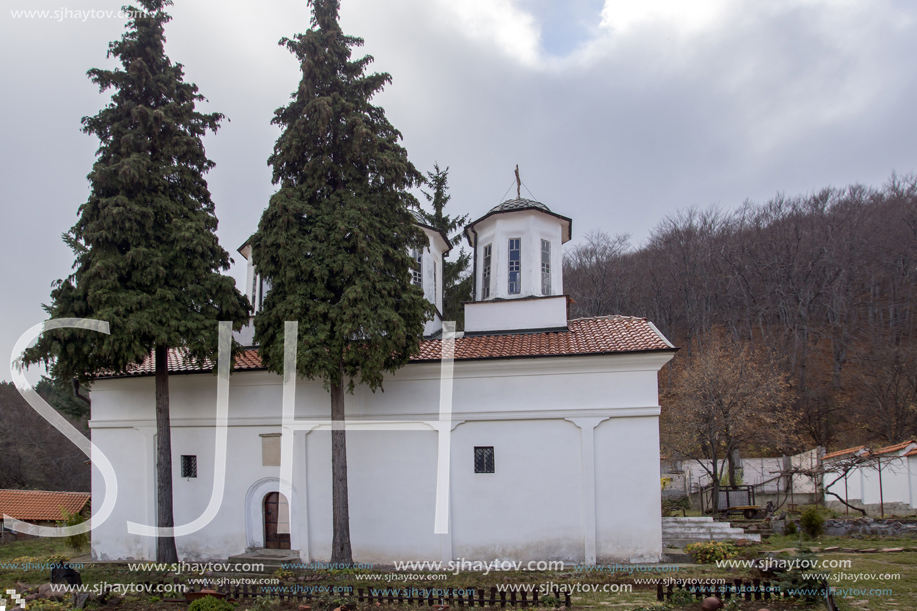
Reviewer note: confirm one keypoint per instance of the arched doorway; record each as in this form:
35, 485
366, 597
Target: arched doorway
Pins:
276, 521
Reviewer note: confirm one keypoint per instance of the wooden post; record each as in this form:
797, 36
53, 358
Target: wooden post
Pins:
881, 495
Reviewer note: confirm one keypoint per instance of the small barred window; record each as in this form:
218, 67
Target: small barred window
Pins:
484, 459
188, 466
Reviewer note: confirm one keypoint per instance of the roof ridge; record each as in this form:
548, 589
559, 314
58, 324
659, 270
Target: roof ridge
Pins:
893, 447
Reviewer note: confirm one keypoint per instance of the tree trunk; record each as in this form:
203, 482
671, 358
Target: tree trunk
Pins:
165, 546
340, 544
835, 495
715, 483
731, 466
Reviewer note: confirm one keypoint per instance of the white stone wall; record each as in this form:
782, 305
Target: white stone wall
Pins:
432, 273
576, 454
532, 227
516, 314
898, 485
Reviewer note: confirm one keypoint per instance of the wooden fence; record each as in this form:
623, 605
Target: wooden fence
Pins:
429, 596
756, 589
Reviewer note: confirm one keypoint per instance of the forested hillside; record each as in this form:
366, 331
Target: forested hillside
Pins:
823, 283
33, 454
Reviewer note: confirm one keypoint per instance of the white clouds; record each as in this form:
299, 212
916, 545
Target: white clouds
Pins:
500, 23
667, 104
623, 16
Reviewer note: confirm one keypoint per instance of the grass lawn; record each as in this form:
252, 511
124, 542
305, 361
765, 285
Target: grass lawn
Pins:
879, 566
875, 581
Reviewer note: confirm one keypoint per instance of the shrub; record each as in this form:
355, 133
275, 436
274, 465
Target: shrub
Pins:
550, 601
789, 528
670, 506
210, 603
74, 542
812, 522
800, 577
709, 552
682, 598
264, 603
48, 605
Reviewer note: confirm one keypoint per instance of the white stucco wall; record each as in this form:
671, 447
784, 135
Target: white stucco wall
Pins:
516, 314
912, 480
895, 482
431, 272
555, 494
432, 277
532, 227
898, 485
854, 485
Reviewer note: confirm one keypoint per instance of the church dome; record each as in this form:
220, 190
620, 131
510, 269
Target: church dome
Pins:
519, 203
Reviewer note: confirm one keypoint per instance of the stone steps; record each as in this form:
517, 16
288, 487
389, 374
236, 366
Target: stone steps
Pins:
271, 559
678, 532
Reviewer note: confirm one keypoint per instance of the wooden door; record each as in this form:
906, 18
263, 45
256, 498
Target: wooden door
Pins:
276, 521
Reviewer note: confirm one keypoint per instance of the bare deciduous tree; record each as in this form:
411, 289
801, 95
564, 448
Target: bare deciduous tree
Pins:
725, 398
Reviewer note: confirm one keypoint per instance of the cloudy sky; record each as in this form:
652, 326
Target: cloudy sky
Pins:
617, 112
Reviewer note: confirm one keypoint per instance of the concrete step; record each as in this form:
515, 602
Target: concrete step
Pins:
688, 529
738, 534
271, 559
680, 531
705, 526
680, 543
674, 555
715, 536
711, 526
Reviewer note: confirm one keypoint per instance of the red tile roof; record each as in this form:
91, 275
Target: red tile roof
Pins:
40, 504
894, 448
843, 452
886, 450
584, 336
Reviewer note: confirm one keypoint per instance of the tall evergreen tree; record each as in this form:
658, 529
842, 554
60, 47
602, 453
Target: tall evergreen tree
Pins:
335, 239
456, 280
147, 259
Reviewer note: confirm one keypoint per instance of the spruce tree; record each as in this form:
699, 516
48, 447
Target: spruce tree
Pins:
334, 242
147, 259
456, 280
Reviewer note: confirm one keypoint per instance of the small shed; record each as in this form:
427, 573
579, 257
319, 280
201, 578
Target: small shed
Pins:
41, 507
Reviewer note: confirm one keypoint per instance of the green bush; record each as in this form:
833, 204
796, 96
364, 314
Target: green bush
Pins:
264, 603
789, 528
682, 598
804, 581
74, 542
709, 552
671, 506
210, 603
812, 522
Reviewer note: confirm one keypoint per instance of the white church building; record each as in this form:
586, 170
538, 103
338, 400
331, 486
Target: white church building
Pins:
550, 446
